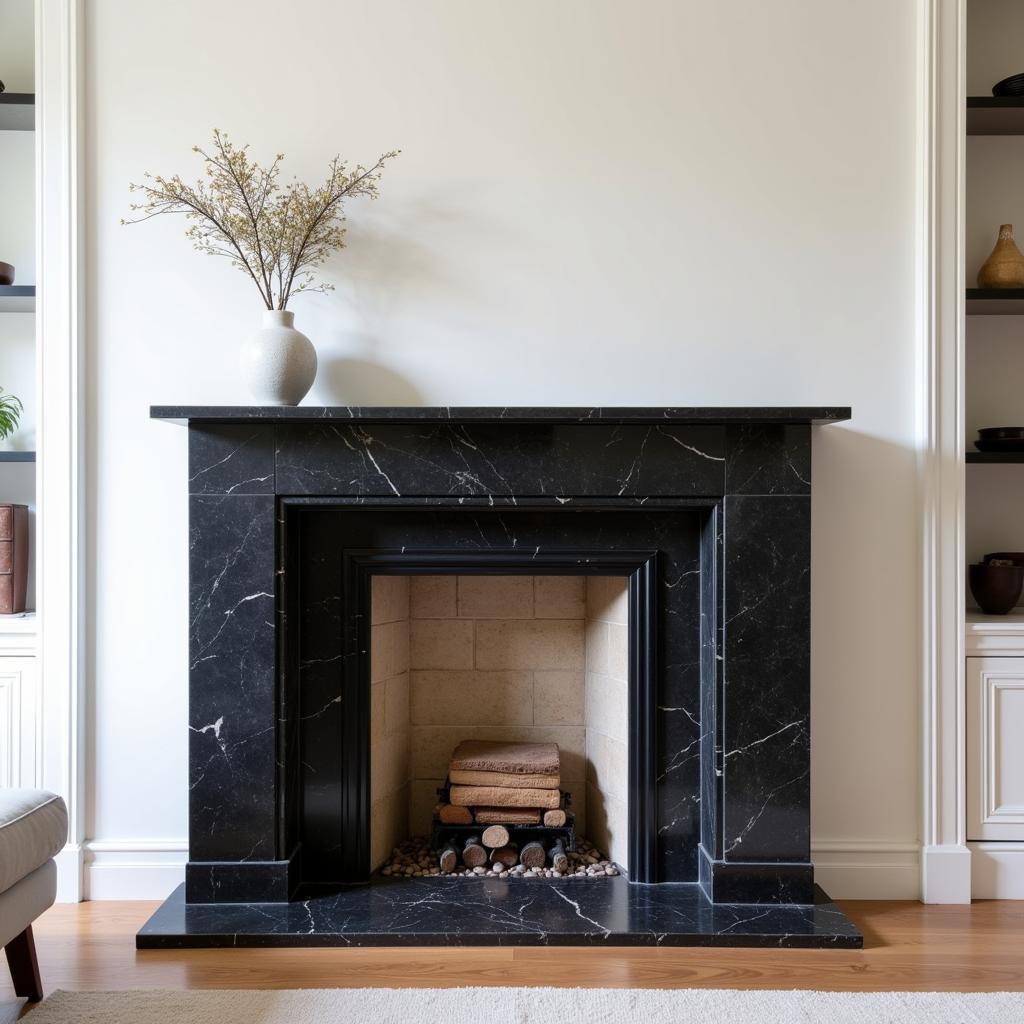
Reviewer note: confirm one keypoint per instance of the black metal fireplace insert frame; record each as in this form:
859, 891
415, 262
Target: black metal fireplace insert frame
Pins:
641, 571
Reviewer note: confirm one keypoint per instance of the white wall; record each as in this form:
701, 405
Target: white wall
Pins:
659, 202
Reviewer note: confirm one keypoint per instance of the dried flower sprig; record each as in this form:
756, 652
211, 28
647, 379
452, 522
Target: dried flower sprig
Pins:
277, 234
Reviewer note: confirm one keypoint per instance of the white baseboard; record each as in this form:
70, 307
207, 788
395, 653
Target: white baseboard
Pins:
69, 874
145, 869
946, 874
856, 869
134, 869
997, 871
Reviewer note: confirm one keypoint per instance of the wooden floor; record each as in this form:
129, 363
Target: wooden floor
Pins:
908, 947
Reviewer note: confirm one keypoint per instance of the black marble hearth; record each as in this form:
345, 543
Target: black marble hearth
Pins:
705, 511
493, 912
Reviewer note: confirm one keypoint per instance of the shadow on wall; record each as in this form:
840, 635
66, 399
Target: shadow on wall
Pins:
386, 277
349, 380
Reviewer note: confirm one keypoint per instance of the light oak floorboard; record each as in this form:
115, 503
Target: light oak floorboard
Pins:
909, 947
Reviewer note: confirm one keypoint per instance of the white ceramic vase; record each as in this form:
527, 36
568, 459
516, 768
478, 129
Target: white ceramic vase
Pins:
280, 361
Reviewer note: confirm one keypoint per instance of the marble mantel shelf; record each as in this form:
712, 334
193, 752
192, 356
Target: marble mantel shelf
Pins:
551, 415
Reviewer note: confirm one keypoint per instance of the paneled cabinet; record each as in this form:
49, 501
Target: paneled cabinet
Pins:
995, 748
19, 703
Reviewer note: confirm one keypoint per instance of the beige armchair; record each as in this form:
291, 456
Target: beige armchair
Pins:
33, 830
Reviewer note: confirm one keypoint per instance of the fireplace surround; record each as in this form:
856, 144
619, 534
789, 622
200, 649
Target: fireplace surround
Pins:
706, 514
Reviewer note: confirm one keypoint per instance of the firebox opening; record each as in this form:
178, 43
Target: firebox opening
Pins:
525, 659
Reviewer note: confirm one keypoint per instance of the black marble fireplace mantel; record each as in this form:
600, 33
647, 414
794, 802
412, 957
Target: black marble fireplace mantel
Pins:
608, 415
706, 511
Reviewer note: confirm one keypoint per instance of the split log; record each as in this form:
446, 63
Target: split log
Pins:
559, 861
448, 859
495, 796
506, 815
473, 854
532, 855
452, 815
554, 819
507, 855
494, 836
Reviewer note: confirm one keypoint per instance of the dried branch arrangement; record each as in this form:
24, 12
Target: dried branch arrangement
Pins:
277, 234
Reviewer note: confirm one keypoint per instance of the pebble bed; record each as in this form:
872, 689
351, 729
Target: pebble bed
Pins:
416, 859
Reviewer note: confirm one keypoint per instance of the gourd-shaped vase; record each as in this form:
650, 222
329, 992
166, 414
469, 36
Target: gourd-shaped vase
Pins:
281, 361
1005, 266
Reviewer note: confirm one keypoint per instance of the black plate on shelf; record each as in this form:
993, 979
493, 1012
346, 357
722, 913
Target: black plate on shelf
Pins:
1001, 433
1010, 444
1012, 86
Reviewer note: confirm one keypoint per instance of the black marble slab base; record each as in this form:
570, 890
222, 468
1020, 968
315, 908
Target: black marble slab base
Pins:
493, 912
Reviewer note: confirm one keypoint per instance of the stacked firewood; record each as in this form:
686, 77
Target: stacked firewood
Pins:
503, 787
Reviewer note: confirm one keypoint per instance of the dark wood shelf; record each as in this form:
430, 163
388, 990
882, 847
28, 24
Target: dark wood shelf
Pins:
17, 456
995, 115
995, 301
17, 298
990, 457
17, 111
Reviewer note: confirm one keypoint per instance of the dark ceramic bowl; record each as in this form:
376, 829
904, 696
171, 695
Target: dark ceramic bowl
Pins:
6, 273
1017, 557
996, 588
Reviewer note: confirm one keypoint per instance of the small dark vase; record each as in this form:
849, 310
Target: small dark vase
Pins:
996, 588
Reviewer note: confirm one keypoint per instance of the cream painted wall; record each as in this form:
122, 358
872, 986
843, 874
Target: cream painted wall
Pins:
660, 202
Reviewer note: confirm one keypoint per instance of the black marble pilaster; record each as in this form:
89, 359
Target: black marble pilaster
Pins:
233, 824
756, 835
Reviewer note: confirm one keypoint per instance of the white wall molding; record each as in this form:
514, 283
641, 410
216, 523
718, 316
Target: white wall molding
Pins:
855, 869
59, 367
997, 870
133, 869
945, 863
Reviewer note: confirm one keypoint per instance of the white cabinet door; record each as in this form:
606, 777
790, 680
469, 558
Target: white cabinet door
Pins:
18, 725
995, 748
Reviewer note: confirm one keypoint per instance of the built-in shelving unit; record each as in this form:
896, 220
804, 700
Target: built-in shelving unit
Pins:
995, 115
993, 679
17, 111
17, 298
17, 456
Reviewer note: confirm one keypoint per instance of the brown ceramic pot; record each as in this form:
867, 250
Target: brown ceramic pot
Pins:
6, 273
996, 588
1005, 266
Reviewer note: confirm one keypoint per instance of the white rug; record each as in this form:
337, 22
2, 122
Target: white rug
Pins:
525, 1006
